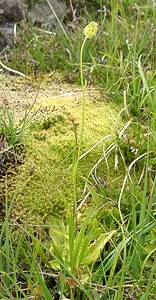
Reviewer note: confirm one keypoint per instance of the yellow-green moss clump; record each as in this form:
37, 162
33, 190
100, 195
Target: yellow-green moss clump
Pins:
44, 185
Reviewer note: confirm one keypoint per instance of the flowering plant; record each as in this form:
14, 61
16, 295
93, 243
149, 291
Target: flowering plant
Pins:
91, 30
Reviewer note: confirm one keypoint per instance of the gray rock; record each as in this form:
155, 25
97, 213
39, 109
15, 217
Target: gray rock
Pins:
6, 36
11, 12
42, 15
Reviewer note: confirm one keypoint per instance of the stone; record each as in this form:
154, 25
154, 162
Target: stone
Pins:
11, 12
42, 15
6, 36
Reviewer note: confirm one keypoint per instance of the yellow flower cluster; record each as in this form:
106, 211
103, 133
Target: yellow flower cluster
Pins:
91, 30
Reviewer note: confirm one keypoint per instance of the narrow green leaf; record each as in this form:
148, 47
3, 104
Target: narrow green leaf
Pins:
46, 293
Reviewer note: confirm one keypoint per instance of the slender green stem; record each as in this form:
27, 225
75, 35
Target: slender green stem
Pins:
83, 85
77, 151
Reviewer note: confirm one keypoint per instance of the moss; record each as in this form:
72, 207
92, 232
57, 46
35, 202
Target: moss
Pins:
50, 143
